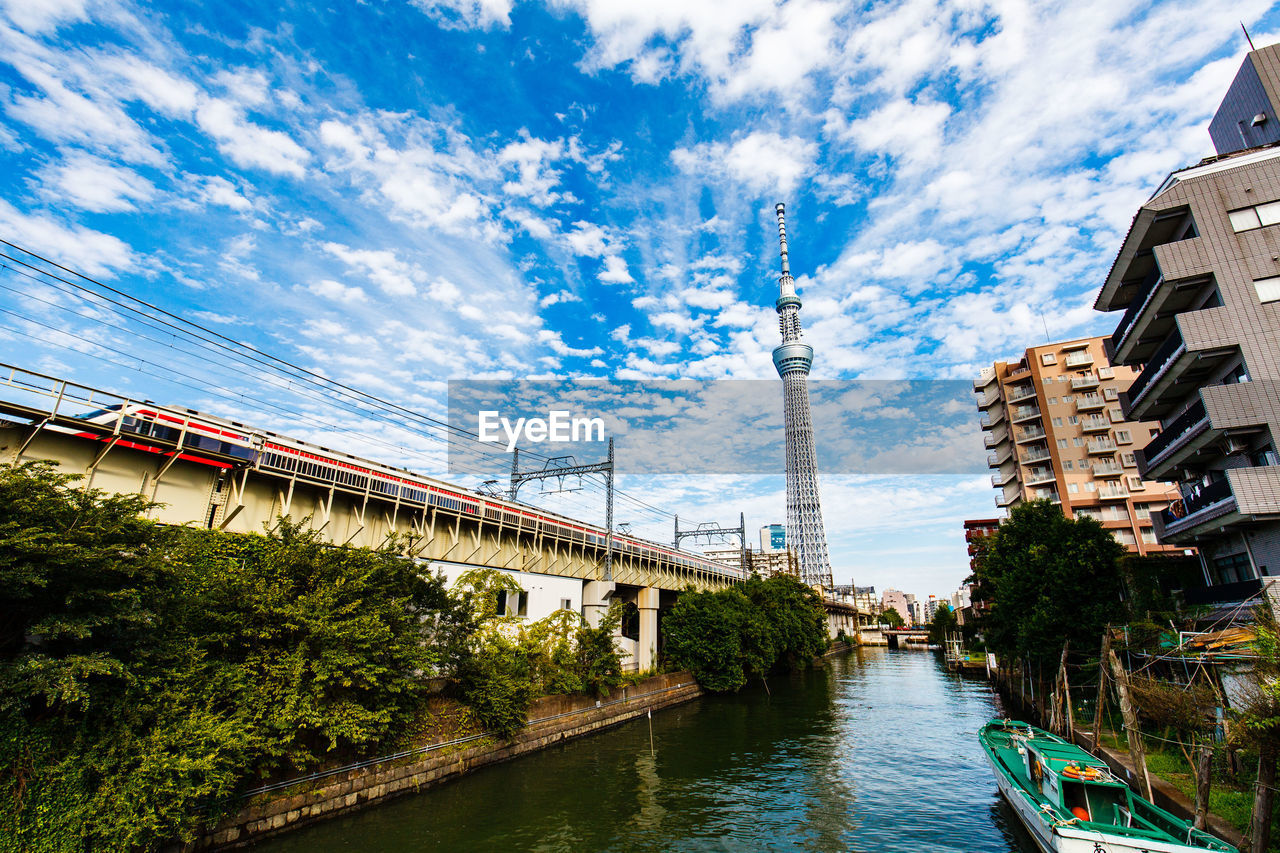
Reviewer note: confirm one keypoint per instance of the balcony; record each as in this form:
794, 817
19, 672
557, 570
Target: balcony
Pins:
1107, 468
989, 399
1204, 504
991, 439
1090, 403
995, 460
1169, 376
1033, 456
1083, 358
1155, 370
1113, 493
999, 478
990, 418
1003, 500
1084, 383
1039, 476
1102, 446
1029, 434
985, 377
1018, 393
1019, 414
1095, 423
1141, 298
1175, 436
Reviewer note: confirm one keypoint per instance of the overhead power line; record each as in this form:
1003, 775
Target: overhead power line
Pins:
215, 347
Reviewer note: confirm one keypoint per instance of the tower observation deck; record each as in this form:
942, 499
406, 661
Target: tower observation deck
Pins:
793, 358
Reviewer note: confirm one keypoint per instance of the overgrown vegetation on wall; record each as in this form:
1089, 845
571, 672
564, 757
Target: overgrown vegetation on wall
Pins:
149, 673
729, 637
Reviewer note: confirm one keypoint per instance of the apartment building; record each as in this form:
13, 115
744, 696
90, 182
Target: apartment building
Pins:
1053, 425
1198, 280
763, 563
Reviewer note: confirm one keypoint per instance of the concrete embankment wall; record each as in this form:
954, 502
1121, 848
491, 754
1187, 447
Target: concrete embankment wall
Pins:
551, 719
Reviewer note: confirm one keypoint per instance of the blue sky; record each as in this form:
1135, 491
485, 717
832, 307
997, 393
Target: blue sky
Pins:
399, 193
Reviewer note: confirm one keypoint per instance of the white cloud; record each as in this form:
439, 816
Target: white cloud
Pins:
394, 276
249, 144
587, 239
557, 298
36, 16
468, 14
762, 160
337, 291
94, 184
89, 251
615, 271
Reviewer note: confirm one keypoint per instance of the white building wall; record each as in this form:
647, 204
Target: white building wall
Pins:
547, 593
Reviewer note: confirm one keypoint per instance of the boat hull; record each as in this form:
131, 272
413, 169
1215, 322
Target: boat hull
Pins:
1060, 839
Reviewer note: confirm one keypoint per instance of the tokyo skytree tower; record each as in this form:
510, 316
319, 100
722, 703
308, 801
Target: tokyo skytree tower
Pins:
792, 359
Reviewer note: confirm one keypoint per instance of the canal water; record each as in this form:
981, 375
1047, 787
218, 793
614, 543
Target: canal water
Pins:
876, 752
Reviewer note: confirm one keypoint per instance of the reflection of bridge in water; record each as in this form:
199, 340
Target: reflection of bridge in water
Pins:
210, 472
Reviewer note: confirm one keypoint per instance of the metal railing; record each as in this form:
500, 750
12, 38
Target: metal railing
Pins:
1146, 289
1156, 366
1193, 420
1079, 359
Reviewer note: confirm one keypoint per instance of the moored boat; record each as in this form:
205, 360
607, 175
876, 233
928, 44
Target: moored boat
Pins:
1071, 802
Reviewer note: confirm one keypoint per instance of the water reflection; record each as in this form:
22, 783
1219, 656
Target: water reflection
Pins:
876, 753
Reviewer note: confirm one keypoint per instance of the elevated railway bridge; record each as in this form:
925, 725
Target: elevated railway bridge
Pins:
211, 472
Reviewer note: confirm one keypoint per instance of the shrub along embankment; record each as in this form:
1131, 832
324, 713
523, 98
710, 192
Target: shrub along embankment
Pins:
150, 675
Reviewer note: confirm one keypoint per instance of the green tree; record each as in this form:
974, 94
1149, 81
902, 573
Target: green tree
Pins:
729, 637
891, 617
943, 625
1048, 579
148, 672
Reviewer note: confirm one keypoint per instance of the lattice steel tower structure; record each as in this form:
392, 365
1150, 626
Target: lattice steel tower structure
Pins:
793, 359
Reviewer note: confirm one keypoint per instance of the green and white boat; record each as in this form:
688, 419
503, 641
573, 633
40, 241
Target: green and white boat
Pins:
1071, 802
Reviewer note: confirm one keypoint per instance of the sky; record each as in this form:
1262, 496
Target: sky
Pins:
397, 194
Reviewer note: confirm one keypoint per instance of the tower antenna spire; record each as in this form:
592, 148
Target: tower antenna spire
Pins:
1247, 37
793, 358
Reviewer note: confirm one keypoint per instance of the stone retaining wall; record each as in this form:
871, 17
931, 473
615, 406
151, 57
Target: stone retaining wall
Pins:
551, 719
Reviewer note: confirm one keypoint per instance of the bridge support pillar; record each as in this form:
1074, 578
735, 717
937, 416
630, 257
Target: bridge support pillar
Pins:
647, 653
596, 597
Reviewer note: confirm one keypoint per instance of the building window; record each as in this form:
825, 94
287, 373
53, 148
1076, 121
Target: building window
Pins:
1053, 401
1067, 464
1073, 487
1123, 437
1116, 414
1127, 460
1109, 394
1135, 483
566, 604
1148, 536
1073, 419
1231, 568
1078, 441
1268, 289
1106, 373
1124, 537
1062, 444
1070, 398
1048, 358
1091, 486
1057, 421
1245, 219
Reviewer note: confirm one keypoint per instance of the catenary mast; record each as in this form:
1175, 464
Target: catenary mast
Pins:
792, 359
